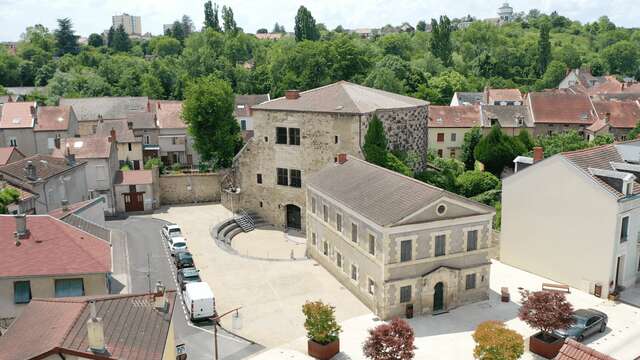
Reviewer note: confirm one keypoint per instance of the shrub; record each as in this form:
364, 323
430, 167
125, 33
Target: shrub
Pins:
320, 323
395, 164
546, 311
472, 183
375, 143
154, 162
495, 342
392, 341
176, 167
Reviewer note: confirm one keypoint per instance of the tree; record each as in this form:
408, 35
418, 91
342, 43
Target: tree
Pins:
277, 28
262, 31
66, 40
229, 22
164, 46
561, 142
392, 341
445, 173
393, 163
633, 134
8, 196
375, 143
494, 341
474, 182
524, 137
187, 25
320, 322
556, 71
305, 26
121, 41
110, 35
602, 139
421, 26
496, 151
208, 112
471, 140
546, 311
621, 58
95, 40
441, 45
544, 49
176, 31
211, 16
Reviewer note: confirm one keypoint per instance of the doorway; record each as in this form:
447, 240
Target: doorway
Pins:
133, 201
438, 297
619, 270
293, 217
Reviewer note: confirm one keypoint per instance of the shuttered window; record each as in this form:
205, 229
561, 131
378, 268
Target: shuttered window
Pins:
69, 287
405, 250
441, 241
472, 240
21, 292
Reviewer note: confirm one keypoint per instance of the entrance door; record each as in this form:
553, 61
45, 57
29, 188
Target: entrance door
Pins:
134, 201
438, 297
293, 217
618, 272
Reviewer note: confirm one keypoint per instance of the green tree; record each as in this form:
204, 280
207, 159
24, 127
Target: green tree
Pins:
262, 31
187, 25
95, 40
8, 196
444, 174
121, 41
633, 134
421, 26
556, 71
621, 58
441, 45
110, 35
524, 137
392, 162
176, 31
561, 142
66, 39
472, 183
496, 151
544, 49
165, 46
305, 26
384, 79
603, 139
471, 140
320, 322
208, 111
211, 16
277, 28
375, 143
229, 22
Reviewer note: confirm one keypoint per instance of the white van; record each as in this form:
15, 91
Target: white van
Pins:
198, 298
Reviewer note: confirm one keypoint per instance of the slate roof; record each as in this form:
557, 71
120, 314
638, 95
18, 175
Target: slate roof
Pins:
88, 109
244, 103
53, 118
469, 98
573, 350
46, 167
133, 328
381, 195
134, 177
52, 247
342, 98
17, 115
123, 133
506, 115
87, 226
6, 152
454, 116
556, 107
142, 120
88, 147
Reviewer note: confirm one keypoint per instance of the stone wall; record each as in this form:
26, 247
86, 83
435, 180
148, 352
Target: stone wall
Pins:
189, 188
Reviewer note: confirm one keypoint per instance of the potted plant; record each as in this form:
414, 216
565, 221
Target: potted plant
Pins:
392, 341
495, 341
322, 330
546, 311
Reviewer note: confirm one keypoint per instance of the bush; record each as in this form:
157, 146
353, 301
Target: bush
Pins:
154, 162
176, 167
8, 196
490, 197
495, 342
393, 341
395, 164
320, 323
472, 183
546, 311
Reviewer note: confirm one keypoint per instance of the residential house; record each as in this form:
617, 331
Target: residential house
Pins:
101, 159
583, 82
90, 110
366, 33
296, 135
406, 27
502, 97
467, 98
128, 146
176, 145
53, 122
270, 36
243, 112
614, 117
144, 126
137, 190
132, 327
558, 111
10, 154
401, 246
512, 119
16, 126
43, 257
51, 179
574, 218
447, 127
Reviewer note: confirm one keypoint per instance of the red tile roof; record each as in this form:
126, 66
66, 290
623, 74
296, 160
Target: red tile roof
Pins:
504, 95
169, 115
454, 116
622, 114
6, 152
91, 147
16, 115
134, 177
53, 118
556, 107
573, 350
52, 247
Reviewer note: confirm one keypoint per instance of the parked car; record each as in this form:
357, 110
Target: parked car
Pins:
188, 275
183, 260
177, 245
199, 301
587, 322
170, 231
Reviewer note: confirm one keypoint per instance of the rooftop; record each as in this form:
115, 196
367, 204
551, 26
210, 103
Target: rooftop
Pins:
503, 95
53, 118
169, 115
90, 109
121, 126
89, 147
454, 116
469, 98
507, 116
557, 107
6, 152
16, 115
142, 120
46, 166
342, 98
134, 177
573, 350
620, 114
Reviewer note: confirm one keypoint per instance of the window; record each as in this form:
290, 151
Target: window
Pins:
629, 189
129, 146
470, 282
372, 244
69, 287
405, 294
406, 249
439, 153
313, 205
243, 124
371, 286
259, 178
441, 209
294, 136
440, 137
296, 178
624, 229
266, 139
339, 222
338, 260
101, 172
21, 292
132, 188
325, 213
147, 139
354, 233
354, 272
336, 139
472, 240
13, 142
281, 135
283, 176
452, 153
261, 204
441, 241
50, 143
325, 248
453, 137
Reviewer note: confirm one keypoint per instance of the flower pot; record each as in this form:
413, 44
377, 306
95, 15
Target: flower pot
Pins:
545, 347
323, 352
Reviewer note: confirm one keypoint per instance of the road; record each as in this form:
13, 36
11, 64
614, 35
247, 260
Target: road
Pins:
146, 257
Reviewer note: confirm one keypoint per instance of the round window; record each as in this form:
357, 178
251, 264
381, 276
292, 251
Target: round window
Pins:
441, 209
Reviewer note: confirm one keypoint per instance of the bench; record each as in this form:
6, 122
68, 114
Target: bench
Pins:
556, 287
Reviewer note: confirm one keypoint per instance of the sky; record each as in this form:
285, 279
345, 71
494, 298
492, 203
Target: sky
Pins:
89, 16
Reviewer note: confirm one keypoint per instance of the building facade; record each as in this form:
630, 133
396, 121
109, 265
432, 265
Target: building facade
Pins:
447, 127
132, 24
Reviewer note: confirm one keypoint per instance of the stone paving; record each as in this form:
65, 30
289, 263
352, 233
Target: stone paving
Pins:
269, 243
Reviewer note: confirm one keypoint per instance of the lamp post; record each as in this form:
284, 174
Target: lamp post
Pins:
215, 327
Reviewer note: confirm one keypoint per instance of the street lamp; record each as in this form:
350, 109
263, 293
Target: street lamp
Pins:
236, 324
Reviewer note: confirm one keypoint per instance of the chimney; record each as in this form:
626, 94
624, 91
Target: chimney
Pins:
65, 205
342, 158
34, 111
538, 154
30, 171
161, 303
292, 94
607, 116
113, 135
21, 227
95, 331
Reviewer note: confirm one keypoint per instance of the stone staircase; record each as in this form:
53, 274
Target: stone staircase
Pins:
243, 222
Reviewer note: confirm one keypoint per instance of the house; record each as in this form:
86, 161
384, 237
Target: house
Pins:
270, 36
406, 27
573, 350
447, 126
10, 154
366, 33
53, 122
87, 216
243, 112
132, 327
467, 98
573, 218
129, 147
144, 126
101, 159
176, 145
512, 119
502, 97
401, 246
90, 110
614, 117
296, 135
16, 126
43, 257
557, 111
137, 190
51, 179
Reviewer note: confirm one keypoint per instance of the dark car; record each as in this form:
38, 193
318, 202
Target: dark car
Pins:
188, 275
183, 260
586, 323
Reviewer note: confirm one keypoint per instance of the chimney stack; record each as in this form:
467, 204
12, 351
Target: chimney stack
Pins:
342, 158
34, 111
161, 303
21, 227
65, 205
112, 138
538, 154
95, 331
292, 94
30, 171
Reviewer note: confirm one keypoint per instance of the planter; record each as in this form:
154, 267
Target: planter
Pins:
323, 352
539, 345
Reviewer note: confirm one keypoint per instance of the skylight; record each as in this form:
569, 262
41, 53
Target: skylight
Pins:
16, 120
78, 144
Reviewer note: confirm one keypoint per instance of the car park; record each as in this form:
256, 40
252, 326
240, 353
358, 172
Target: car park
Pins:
177, 245
170, 231
183, 260
586, 323
188, 275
